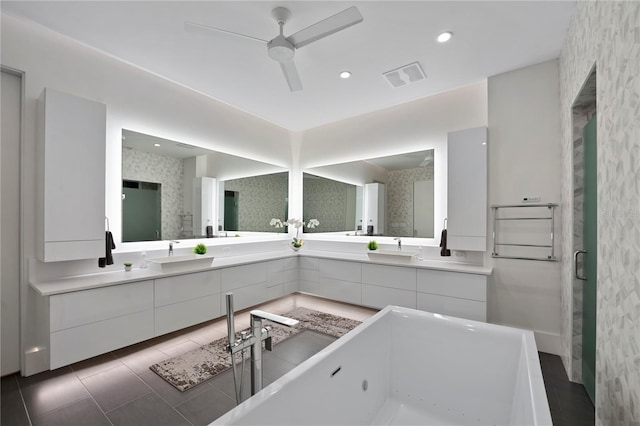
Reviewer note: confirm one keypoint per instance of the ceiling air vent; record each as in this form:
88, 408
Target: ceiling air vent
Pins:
405, 75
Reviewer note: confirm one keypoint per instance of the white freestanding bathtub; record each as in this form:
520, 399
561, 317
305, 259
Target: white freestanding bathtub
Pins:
409, 367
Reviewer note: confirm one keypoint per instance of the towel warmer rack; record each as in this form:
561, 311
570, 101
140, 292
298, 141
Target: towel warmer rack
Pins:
551, 207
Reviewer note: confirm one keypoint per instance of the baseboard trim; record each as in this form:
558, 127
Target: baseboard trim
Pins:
548, 342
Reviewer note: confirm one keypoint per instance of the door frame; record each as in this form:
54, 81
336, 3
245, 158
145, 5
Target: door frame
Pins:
582, 109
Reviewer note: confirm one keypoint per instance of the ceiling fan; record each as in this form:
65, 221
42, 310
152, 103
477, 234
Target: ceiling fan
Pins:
282, 49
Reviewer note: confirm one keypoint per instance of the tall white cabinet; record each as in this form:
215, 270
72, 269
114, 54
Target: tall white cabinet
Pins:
374, 201
467, 189
70, 177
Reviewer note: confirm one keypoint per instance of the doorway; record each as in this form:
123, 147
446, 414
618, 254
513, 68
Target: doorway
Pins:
231, 199
141, 211
585, 246
10, 247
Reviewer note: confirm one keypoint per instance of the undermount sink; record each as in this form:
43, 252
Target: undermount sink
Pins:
397, 256
173, 263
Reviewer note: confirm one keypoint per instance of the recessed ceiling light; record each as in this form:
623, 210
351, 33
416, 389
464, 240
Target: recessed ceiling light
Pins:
156, 144
345, 74
445, 36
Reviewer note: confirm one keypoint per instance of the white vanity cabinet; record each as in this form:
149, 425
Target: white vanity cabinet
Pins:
388, 285
333, 279
70, 177
87, 323
282, 277
248, 283
184, 300
467, 189
452, 293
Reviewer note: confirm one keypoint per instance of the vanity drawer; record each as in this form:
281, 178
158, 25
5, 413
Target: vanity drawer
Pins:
453, 306
186, 287
241, 276
380, 297
389, 276
88, 306
455, 284
340, 270
185, 314
275, 272
86, 341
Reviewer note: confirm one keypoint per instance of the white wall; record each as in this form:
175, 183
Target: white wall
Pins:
524, 160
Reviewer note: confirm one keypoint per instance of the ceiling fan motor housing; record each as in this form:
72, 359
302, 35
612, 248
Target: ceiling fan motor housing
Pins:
280, 49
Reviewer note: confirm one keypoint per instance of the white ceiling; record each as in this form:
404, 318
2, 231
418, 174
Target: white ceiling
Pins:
490, 37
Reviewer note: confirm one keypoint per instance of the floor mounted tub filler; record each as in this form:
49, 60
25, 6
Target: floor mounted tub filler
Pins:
409, 367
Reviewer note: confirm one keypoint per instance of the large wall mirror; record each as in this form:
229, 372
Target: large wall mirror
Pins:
389, 196
172, 190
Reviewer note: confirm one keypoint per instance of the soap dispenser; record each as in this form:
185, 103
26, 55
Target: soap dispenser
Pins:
143, 260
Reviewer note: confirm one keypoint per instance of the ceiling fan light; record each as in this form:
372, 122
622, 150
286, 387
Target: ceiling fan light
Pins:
345, 74
444, 36
280, 49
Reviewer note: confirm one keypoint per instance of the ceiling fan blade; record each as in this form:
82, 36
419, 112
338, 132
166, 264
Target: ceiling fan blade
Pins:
291, 75
326, 27
205, 29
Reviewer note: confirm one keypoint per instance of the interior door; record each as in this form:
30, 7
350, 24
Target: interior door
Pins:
231, 210
590, 236
141, 212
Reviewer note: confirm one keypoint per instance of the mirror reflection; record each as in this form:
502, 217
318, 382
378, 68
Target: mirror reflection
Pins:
172, 190
339, 204
397, 200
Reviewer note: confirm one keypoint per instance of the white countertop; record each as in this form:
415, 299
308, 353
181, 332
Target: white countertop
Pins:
104, 279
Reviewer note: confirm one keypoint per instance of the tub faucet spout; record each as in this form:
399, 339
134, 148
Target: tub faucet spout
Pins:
253, 341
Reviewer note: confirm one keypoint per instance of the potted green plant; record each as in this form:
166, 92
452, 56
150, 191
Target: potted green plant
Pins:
372, 245
200, 249
127, 266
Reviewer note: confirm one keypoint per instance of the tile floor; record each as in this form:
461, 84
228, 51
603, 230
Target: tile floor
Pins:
119, 389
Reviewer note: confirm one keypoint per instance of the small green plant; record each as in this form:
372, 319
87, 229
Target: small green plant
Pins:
200, 249
127, 264
372, 245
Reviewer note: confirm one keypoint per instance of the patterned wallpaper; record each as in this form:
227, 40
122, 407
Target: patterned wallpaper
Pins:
168, 172
260, 199
607, 34
399, 221
327, 200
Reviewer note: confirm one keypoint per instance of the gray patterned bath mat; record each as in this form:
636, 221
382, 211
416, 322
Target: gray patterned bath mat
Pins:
198, 365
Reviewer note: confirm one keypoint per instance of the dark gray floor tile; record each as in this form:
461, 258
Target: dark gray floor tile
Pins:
48, 391
139, 362
80, 413
169, 393
95, 365
115, 387
149, 410
206, 407
13, 410
224, 382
